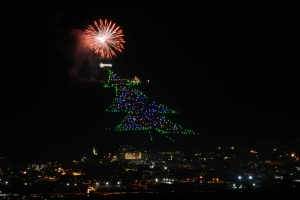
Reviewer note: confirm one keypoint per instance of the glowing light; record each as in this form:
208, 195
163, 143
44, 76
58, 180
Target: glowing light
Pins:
105, 65
142, 114
101, 39
105, 38
95, 151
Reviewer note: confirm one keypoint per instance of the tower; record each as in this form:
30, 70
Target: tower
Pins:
95, 151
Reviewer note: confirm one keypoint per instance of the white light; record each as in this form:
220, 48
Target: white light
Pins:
240, 177
101, 39
156, 180
67, 184
250, 177
105, 65
106, 183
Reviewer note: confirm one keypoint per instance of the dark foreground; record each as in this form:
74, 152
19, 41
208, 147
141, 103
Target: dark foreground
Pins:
205, 194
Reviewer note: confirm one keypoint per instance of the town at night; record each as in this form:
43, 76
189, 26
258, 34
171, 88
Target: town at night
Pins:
180, 99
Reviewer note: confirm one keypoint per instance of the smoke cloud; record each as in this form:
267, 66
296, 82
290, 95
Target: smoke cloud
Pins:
82, 64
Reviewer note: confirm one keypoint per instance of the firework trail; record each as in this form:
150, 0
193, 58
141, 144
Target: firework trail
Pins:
105, 38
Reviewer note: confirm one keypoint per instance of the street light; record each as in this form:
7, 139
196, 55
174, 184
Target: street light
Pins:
240, 177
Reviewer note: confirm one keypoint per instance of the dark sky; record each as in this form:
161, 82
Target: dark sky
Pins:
229, 68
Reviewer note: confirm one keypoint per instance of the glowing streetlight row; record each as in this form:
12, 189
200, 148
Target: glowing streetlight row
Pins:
249, 177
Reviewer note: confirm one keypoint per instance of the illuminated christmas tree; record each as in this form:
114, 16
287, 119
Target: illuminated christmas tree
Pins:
141, 113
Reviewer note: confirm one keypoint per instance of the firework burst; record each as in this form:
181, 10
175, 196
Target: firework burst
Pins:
105, 38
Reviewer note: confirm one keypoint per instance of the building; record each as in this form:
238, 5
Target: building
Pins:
37, 166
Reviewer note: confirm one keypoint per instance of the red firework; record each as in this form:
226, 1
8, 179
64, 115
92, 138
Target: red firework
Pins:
105, 38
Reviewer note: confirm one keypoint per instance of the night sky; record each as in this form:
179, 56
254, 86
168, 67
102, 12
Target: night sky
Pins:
228, 68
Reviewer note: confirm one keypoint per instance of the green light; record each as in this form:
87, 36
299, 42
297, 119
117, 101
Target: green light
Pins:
132, 102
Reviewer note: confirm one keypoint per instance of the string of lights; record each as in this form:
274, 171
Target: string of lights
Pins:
142, 114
